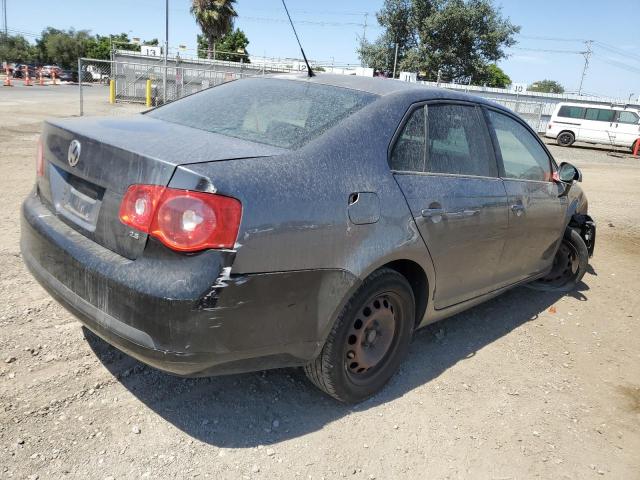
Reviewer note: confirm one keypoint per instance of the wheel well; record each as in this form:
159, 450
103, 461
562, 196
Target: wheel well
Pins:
567, 131
417, 278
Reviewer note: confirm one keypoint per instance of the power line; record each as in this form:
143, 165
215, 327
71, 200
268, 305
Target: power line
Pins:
618, 51
623, 66
573, 52
552, 39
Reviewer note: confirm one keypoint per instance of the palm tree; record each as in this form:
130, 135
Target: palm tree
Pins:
215, 18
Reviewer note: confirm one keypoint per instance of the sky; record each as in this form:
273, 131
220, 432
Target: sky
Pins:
551, 31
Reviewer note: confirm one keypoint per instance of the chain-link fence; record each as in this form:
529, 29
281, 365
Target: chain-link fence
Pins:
531, 112
146, 84
131, 85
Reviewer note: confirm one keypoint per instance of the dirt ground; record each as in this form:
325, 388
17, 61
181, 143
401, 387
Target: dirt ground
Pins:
528, 385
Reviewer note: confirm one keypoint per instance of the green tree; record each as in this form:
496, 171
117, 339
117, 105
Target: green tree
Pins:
452, 39
546, 86
215, 19
16, 49
228, 48
494, 76
63, 47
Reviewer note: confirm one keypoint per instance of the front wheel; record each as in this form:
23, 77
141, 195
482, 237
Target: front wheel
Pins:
369, 339
569, 265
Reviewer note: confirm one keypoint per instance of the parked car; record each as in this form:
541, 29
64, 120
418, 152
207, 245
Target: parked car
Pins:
597, 124
312, 222
68, 76
18, 70
48, 70
95, 74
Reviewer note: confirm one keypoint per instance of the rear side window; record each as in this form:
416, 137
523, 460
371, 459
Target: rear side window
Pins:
458, 141
628, 117
408, 152
599, 114
522, 155
571, 112
281, 113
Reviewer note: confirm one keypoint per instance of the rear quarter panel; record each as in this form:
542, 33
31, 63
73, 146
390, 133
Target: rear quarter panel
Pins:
295, 205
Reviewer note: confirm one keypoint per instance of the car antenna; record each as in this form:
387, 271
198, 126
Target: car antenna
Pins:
309, 71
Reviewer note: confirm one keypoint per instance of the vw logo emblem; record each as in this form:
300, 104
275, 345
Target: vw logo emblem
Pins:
73, 156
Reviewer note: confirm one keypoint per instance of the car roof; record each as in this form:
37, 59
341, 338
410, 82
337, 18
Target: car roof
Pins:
608, 106
387, 86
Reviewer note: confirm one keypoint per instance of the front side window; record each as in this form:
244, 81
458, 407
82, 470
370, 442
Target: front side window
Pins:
281, 113
522, 155
458, 141
599, 114
568, 111
628, 117
408, 152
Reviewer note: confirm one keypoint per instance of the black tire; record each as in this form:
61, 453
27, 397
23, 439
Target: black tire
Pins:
565, 139
569, 265
385, 294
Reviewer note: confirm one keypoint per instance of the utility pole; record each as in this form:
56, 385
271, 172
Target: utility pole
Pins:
395, 62
587, 56
4, 17
364, 30
166, 51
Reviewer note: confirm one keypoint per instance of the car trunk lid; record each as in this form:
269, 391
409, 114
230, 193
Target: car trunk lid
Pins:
114, 153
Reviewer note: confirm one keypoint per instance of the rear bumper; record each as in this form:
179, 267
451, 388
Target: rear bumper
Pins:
183, 314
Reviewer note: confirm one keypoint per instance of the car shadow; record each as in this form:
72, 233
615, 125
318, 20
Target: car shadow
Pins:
262, 408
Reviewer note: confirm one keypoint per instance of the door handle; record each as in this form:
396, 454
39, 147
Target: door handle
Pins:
517, 209
433, 212
463, 213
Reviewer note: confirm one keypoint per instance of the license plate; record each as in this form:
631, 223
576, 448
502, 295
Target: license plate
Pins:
73, 204
78, 203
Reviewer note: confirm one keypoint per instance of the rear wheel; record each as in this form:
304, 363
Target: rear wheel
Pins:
569, 265
566, 139
368, 341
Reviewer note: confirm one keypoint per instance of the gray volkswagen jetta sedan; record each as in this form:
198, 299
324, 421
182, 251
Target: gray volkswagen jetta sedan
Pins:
294, 221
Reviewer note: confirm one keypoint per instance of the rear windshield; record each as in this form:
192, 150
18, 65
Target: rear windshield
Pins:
281, 113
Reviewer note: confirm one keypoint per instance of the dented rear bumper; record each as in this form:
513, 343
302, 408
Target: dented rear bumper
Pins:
184, 314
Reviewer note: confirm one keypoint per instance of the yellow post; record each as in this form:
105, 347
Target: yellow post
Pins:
148, 102
112, 91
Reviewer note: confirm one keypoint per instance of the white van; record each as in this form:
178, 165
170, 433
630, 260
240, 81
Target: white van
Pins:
606, 124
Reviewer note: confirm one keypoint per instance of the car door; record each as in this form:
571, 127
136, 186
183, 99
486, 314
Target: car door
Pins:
626, 127
536, 213
597, 126
445, 166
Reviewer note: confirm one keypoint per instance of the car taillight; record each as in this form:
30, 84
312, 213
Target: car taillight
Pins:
183, 220
40, 159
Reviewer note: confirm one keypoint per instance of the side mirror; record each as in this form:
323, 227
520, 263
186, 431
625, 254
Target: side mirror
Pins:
567, 174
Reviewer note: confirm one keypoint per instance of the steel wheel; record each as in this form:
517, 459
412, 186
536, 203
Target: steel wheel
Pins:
370, 336
569, 265
565, 266
368, 340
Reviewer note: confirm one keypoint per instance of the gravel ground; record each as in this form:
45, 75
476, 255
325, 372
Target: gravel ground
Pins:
528, 385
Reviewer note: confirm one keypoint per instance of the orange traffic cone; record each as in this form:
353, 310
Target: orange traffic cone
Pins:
41, 82
53, 76
636, 148
7, 81
27, 79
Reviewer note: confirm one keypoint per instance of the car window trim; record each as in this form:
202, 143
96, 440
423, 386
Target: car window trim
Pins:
496, 146
616, 118
400, 129
484, 128
424, 104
